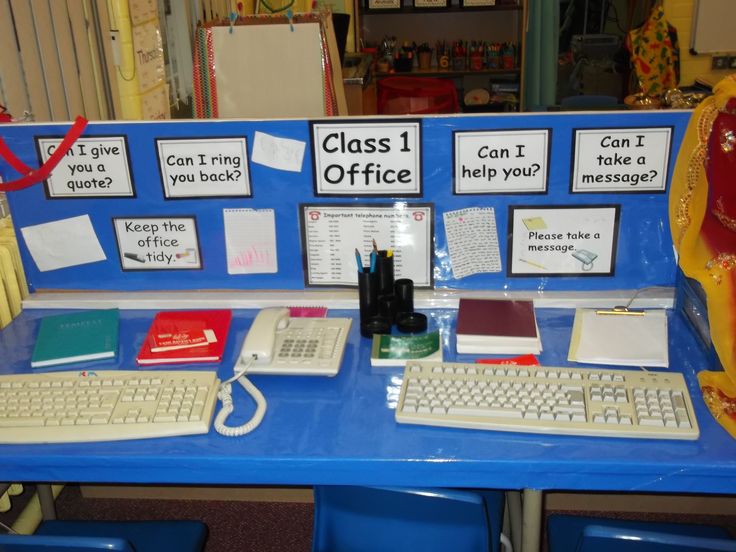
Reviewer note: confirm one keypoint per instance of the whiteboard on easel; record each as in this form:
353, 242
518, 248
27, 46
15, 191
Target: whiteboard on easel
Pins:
709, 34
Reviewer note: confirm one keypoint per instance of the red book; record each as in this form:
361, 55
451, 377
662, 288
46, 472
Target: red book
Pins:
497, 326
195, 323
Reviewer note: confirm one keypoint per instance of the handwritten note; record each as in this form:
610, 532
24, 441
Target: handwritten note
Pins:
472, 239
278, 153
250, 241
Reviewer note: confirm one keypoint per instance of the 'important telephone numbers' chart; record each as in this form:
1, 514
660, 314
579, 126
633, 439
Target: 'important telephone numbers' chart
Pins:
332, 233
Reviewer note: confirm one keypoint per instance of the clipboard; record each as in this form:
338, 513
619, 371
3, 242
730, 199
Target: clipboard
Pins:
620, 337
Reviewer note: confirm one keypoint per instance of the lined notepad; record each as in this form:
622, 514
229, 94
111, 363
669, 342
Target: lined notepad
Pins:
620, 340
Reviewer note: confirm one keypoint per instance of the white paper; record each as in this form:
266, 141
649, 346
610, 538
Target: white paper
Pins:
278, 153
472, 239
250, 241
333, 232
619, 339
63, 243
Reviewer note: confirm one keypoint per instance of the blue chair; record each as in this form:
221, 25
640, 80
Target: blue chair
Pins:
123, 536
389, 519
600, 538
580, 533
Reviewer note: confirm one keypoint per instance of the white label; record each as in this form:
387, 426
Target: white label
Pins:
204, 167
156, 243
504, 161
621, 160
563, 240
367, 158
333, 233
93, 167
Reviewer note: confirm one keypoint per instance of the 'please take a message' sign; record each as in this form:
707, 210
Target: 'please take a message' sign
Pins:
356, 158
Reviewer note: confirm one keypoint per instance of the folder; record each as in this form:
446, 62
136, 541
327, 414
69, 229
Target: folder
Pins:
5, 316
9, 281
620, 337
20, 274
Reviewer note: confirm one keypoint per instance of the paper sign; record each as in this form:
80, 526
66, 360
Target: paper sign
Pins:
93, 167
148, 54
158, 243
621, 160
500, 162
361, 158
560, 241
472, 240
250, 241
199, 167
331, 233
63, 243
278, 153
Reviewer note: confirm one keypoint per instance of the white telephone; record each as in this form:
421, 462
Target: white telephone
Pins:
277, 344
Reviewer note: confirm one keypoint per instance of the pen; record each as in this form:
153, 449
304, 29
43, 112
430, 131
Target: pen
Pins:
358, 260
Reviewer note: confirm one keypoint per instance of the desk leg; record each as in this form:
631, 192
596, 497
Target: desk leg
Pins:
513, 501
531, 530
46, 498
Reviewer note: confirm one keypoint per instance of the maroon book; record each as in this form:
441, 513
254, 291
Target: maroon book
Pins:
496, 318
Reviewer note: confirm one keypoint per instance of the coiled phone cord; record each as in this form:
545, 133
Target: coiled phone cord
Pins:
224, 394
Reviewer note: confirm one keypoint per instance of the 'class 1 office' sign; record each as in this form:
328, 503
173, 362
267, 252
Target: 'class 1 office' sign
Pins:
363, 158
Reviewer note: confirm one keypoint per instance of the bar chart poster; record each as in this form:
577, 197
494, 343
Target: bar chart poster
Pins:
337, 239
563, 241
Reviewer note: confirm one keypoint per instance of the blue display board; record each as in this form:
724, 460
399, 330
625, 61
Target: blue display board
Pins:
579, 201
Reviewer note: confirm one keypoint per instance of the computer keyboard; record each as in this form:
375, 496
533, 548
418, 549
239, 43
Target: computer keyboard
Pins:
535, 399
77, 406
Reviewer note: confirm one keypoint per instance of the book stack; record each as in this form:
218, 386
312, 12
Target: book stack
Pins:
76, 337
497, 326
185, 337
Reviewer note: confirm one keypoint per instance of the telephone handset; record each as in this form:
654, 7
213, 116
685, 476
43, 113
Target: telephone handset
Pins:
278, 344
259, 343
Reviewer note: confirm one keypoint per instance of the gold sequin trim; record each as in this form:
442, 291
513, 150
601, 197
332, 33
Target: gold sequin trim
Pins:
723, 262
696, 165
718, 403
720, 213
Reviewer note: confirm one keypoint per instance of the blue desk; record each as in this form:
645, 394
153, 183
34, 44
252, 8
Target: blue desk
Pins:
341, 430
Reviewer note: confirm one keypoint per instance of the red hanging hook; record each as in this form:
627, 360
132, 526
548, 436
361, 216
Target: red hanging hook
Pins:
31, 176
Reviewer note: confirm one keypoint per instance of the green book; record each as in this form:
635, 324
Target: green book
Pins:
395, 350
76, 337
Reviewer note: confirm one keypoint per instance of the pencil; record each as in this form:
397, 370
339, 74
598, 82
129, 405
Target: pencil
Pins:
375, 247
533, 264
358, 260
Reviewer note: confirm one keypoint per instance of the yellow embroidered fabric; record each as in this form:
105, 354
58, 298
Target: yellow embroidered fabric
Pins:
655, 53
701, 204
